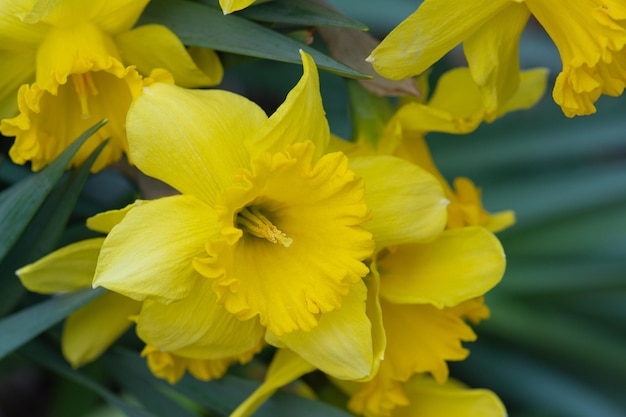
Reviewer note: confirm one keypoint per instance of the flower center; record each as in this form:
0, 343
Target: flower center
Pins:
251, 220
84, 85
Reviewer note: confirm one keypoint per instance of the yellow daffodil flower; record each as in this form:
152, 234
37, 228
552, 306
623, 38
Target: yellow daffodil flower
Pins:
229, 6
589, 34
78, 55
90, 330
268, 238
455, 107
172, 367
429, 398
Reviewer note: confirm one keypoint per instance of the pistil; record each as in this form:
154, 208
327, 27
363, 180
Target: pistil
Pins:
251, 220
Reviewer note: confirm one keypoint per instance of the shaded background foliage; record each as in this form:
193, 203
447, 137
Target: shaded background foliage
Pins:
556, 342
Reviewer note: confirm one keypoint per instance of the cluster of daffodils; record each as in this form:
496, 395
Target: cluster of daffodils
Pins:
355, 262
354, 259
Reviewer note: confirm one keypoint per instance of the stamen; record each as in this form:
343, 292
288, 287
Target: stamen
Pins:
83, 83
254, 222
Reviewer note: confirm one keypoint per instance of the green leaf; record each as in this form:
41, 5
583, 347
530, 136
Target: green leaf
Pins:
369, 114
554, 275
556, 333
43, 232
535, 385
223, 395
200, 25
300, 12
49, 358
24, 325
19, 203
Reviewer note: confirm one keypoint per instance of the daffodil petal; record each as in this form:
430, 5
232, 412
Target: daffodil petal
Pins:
113, 16
341, 345
17, 68
531, 88
421, 338
467, 110
286, 367
149, 254
89, 331
105, 221
70, 268
493, 57
375, 315
14, 31
155, 46
197, 326
460, 264
431, 399
229, 6
172, 367
197, 134
301, 117
429, 33
407, 202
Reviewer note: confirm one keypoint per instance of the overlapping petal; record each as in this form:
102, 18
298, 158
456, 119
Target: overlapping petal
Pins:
429, 33
197, 326
105, 222
431, 399
301, 117
421, 338
14, 33
155, 46
142, 258
172, 367
229, 6
111, 15
407, 203
70, 268
341, 345
493, 57
17, 67
460, 264
197, 134
90, 330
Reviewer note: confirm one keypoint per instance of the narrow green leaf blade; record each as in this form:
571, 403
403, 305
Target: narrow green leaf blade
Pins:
43, 233
536, 385
300, 12
24, 325
19, 203
50, 359
200, 25
223, 395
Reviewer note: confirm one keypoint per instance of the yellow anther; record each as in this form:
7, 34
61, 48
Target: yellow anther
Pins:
84, 85
254, 222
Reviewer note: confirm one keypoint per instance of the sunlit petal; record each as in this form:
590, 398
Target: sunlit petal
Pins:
170, 232
197, 326
70, 268
197, 134
89, 331
300, 118
460, 264
155, 46
428, 34
407, 203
